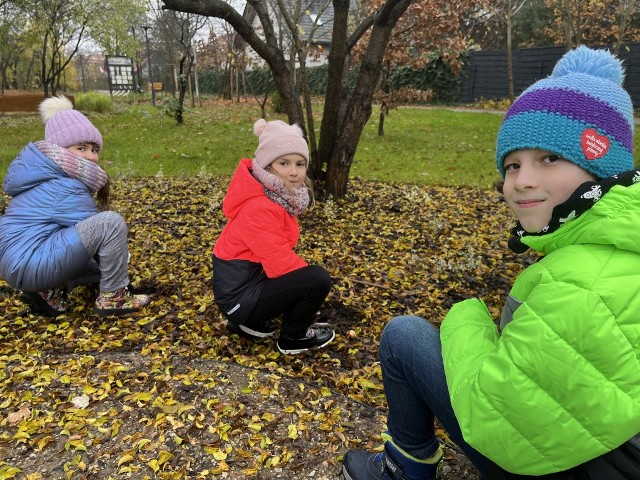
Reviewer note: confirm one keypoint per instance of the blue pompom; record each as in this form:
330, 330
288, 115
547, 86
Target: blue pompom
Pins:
599, 63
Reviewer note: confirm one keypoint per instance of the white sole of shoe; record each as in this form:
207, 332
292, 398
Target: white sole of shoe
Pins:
295, 351
345, 474
255, 333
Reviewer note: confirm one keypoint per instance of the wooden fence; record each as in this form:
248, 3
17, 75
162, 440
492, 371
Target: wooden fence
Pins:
485, 74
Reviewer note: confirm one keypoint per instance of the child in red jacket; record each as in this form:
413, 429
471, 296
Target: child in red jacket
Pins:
256, 274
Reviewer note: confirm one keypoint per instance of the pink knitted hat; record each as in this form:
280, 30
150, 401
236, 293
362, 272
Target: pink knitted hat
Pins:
277, 139
65, 126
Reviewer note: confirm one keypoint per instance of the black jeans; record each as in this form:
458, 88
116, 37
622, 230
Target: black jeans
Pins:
296, 296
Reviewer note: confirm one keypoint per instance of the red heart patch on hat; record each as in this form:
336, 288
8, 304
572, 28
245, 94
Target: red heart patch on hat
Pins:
593, 144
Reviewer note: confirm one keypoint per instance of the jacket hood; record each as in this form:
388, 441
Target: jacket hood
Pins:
613, 220
30, 168
242, 188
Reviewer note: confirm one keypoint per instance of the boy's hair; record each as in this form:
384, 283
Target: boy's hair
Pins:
277, 139
580, 112
65, 126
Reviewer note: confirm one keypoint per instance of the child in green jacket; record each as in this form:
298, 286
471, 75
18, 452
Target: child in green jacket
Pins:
555, 391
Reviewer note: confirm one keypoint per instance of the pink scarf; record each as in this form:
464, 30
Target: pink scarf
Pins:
89, 173
295, 201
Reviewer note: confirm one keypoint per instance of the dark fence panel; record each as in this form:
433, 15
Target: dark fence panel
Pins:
485, 74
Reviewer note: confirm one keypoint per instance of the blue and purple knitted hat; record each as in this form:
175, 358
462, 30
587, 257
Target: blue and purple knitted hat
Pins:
580, 112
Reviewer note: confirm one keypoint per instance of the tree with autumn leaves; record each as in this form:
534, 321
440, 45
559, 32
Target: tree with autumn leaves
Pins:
362, 39
595, 22
428, 32
540, 23
371, 38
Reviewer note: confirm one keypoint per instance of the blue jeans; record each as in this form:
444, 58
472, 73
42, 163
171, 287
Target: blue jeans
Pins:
416, 389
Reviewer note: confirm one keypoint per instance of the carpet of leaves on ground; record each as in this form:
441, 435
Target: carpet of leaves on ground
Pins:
170, 393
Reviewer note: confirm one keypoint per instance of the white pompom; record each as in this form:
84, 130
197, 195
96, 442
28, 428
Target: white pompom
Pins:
259, 127
297, 129
53, 105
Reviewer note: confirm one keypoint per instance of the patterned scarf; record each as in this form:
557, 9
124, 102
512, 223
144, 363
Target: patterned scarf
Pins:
295, 201
89, 173
585, 196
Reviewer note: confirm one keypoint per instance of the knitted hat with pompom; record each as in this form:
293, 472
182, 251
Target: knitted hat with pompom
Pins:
277, 139
65, 126
580, 112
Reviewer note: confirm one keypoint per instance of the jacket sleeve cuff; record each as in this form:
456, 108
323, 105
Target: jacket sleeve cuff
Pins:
468, 334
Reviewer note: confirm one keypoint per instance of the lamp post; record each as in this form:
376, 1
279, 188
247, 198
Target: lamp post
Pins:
153, 92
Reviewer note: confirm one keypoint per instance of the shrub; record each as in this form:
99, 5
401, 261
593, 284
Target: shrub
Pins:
436, 77
171, 106
413, 96
93, 102
277, 105
492, 104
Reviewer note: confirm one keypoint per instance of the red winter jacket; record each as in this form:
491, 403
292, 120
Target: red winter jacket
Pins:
258, 230
257, 240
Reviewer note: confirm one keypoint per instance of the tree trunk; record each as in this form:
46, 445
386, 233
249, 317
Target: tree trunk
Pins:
30, 70
360, 105
509, 52
182, 91
5, 83
226, 93
333, 100
43, 68
304, 81
566, 22
345, 146
344, 116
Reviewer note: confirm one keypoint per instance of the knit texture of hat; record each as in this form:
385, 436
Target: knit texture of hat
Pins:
580, 113
65, 126
277, 139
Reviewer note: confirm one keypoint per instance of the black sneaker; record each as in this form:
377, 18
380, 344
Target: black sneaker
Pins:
263, 330
360, 465
318, 335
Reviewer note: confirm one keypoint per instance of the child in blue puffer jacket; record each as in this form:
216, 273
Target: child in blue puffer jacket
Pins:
52, 234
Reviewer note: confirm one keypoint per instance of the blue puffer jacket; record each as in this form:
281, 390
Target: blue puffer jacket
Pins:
39, 245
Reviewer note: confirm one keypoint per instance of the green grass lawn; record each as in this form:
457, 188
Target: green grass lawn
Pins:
421, 145
430, 146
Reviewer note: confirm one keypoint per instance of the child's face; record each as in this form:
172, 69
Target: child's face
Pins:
88, 151
536, 181
291, 168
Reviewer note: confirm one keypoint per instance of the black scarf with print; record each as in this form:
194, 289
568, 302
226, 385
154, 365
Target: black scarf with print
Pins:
585, 196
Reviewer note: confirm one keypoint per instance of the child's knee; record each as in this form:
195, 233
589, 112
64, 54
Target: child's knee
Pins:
321, 278
114, 220
405, 329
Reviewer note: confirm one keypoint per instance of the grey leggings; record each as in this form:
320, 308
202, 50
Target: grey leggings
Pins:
105, 234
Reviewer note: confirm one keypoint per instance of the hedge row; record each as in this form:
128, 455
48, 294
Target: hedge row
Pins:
436, 76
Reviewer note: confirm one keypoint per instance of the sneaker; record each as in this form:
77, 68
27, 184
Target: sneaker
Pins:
318, 335
361, 465
263, 330
49, 303
119, 302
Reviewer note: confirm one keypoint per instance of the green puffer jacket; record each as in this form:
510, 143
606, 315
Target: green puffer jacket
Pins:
561, 385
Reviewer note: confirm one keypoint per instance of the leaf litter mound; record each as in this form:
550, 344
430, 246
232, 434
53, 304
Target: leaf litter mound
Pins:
170, 393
